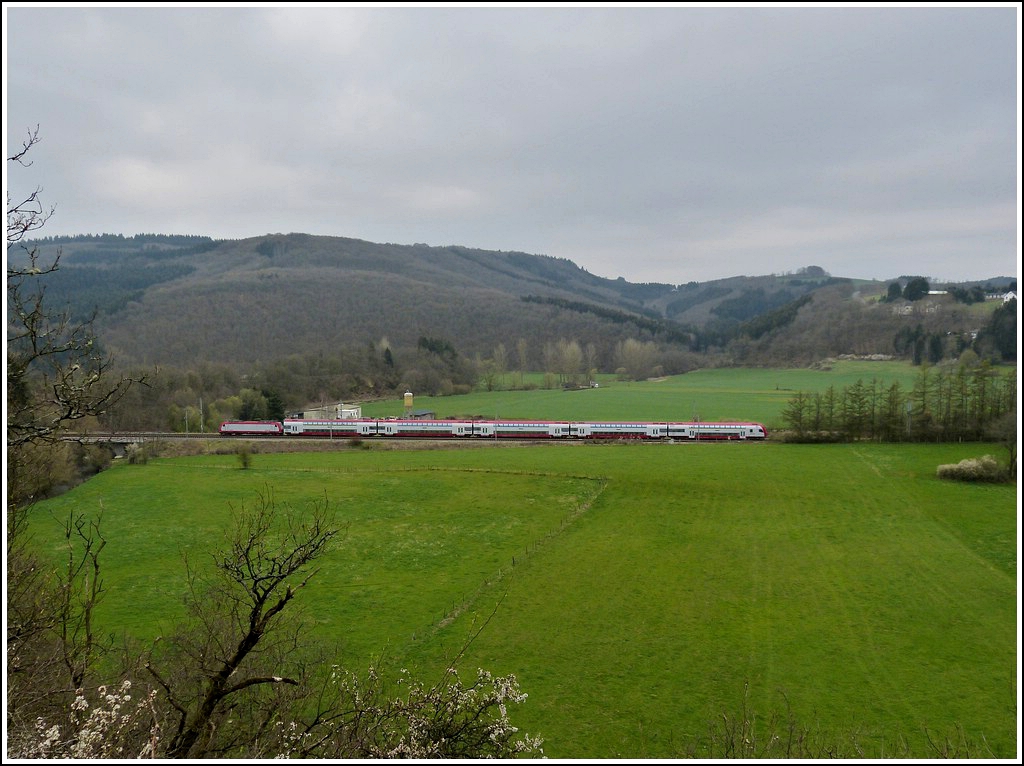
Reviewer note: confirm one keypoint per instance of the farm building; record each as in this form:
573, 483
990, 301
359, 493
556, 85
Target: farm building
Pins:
337, 411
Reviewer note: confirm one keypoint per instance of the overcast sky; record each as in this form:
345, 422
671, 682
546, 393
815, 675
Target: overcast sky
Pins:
660, 144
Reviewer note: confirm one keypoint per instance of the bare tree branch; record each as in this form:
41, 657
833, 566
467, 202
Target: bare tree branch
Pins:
236, 617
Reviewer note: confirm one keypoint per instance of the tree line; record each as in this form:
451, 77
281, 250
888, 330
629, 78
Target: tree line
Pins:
170, 240
944, 404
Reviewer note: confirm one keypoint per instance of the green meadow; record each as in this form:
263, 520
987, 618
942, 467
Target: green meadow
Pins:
639, 592
713, 394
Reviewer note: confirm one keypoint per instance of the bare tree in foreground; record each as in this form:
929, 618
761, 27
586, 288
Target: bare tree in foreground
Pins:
238, 680
56, 373
236, 640
55, 376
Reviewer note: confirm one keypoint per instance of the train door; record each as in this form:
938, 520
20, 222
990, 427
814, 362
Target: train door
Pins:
580, 430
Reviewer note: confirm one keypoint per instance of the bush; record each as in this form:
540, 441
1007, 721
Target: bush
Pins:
244, 452
137, 454
985, 468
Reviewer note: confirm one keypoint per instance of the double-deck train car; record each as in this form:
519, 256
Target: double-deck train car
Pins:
618, 430
329, 428
522, 429
716, 431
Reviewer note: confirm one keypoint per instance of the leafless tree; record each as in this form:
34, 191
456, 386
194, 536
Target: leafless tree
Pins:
56, 374
235, 644
51, 640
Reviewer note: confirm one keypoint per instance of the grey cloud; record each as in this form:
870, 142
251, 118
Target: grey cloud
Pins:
660, 144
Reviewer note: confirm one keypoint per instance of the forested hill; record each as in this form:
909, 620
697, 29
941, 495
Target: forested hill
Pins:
180, 300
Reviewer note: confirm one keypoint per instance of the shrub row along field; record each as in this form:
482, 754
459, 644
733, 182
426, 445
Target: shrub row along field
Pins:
638, 592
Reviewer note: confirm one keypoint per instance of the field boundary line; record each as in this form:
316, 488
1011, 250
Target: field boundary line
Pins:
505, 573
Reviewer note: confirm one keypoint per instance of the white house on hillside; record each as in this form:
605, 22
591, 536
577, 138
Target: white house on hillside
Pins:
1004, 297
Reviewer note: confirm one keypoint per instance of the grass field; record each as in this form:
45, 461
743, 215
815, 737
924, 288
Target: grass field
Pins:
714, 394
634, 590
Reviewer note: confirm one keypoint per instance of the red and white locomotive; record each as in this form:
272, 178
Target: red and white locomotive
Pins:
495, 429
251, 428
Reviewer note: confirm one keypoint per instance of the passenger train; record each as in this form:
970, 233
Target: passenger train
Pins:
494, 429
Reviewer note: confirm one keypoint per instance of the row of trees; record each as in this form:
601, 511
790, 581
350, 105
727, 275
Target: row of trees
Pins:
197, 400
944, 404
163, 240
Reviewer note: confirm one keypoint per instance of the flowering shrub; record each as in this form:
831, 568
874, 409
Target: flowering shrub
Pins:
446, 720
985, 468
108, 727
451, 720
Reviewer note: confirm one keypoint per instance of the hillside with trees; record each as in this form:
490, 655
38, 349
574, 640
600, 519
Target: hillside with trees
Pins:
257, 326
179, 300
